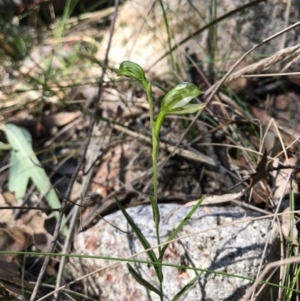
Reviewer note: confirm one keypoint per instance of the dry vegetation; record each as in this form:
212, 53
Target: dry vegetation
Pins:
90, 130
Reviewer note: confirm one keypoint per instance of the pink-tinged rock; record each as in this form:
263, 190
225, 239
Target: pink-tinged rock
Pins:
216, 246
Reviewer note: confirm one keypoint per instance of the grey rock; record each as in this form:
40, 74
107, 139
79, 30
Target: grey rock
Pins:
236, 249
141, 34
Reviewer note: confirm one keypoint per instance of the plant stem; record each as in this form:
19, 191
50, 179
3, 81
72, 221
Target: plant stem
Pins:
155, 147
155, 127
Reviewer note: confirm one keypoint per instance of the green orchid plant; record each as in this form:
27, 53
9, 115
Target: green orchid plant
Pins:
176, 102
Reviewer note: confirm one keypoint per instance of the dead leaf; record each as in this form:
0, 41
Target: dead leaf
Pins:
294, 79
84, 93
18, 235
11, 285
286, 221
269, 142
239, 83
35, 221
60, 119
281, 102
281, 176
12, 238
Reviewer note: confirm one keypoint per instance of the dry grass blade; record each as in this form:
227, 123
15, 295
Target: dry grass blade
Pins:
266, 270
210, 93
282, 56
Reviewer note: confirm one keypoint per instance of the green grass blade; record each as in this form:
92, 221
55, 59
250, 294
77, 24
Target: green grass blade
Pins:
141, 238
180, 226
155, 210
187, 287
69, 7
142, 281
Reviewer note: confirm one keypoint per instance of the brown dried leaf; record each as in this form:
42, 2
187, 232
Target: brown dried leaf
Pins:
41, 238
286, 227
17, 235
11, 239
60, 119
281, 187
10, 282
239, 83
9, 290
6, 214
294, 79
269, 142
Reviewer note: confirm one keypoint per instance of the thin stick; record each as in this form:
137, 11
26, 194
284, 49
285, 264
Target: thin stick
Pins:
294, 74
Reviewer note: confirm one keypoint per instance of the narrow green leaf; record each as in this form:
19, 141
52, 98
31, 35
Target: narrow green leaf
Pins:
187, 287
24, 165
140, 236
180, 226
187, 109
158, 123
156, 218
148, 87
132, 70
142, 281
179, 96
156, 213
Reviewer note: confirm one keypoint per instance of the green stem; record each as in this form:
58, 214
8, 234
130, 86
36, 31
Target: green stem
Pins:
155, 127
155, 137
155, 148
159, 121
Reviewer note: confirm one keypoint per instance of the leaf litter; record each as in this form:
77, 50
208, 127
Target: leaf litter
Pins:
123, 169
